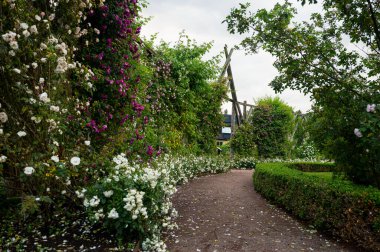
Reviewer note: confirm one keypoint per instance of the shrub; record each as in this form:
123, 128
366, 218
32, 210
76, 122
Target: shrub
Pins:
185, 96
272, 122
312, 167
339, 207
243, 141
243, 163
133, 201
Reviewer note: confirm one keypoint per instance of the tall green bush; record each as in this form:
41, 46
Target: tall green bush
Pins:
243, 141
272, 122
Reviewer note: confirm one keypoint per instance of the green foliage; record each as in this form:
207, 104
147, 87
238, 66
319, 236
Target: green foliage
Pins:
313, 166
339, 207
243, 141
226, 149
302, 146
186, 98
272, 123
306, 150
243, 163
311, 57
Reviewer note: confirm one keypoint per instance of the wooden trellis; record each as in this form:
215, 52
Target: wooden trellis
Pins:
237, 115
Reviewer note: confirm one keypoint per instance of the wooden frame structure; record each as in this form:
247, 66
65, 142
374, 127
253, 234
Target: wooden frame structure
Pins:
237, 116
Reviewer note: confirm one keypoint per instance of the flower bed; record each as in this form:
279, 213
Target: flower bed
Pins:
339, 207
128, 207
244, 163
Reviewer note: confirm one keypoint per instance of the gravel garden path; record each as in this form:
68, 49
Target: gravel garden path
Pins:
224, 213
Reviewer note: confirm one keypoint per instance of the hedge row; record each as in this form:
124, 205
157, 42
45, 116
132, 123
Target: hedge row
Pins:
335, 206
313, 167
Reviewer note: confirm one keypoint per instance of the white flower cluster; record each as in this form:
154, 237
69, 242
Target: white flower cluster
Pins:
10, 38
134, 204
62, 65
113, 214
61, 48
154, 244
80, 194
156, 182
150, 176
93, 202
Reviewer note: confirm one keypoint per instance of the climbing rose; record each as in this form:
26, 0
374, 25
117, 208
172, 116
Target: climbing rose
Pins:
75, 161
21, 133
29, 170
113, 214
3, 117
371, 108
358, 133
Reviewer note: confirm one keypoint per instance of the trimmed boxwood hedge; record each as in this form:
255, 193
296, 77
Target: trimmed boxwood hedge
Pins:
313, 167
335, 206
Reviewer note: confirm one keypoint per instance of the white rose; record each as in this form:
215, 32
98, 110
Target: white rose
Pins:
94, 201
43, 46
108, 194
75, 161
21, 133
29, 170
13, 45
54, 108
16, 70
3, 117
3, 159
26, 33
113, 214
24, 26
55, 158
87, 143
44, 97
33, 29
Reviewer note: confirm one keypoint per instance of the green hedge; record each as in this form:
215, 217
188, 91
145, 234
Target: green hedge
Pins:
335, 206
313, 166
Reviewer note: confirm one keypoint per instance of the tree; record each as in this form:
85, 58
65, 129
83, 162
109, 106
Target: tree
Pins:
311, 57
272, 124
243, 141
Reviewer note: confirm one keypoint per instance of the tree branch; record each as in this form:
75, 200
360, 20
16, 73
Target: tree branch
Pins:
375, 25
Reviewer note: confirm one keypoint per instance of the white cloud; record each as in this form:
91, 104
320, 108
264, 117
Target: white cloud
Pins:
202, 21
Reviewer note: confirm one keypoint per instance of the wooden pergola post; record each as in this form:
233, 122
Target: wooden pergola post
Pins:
236, 106
245, 111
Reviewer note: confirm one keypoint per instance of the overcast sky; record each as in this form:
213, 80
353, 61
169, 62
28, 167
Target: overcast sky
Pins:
202, 21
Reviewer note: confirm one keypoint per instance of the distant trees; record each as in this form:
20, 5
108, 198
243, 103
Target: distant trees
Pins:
344, 84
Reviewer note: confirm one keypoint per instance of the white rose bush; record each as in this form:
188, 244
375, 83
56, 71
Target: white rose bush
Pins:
135, 199
39, 106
